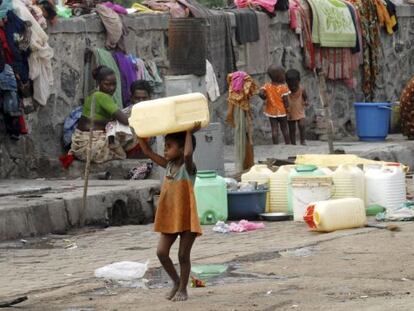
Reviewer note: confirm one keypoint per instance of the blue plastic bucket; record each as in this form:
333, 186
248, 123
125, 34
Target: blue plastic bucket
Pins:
247, 204
372, 120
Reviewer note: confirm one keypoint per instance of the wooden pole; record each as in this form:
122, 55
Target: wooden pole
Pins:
88, 165
326, 107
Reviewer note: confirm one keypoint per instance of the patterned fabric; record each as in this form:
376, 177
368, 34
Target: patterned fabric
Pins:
239, 116
332, 24
407, 109
177, 210
274, 100
102, 151
370, 44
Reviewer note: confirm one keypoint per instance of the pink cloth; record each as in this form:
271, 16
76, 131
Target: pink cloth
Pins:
237, 81
268, 5
116, 7
245, 225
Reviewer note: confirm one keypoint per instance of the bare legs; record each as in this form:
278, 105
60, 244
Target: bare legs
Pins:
163, 253
292, 131
283, 123
179, 291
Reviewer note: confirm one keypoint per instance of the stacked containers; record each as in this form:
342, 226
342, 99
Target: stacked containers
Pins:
211, 197
306, 184
279, 189
349, 182
261, 174
385, 186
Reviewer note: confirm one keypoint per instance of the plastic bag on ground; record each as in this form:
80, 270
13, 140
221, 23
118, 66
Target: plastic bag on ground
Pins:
123, 271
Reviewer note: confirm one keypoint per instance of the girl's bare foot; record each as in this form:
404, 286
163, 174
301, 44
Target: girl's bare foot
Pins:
181, 295
173, 291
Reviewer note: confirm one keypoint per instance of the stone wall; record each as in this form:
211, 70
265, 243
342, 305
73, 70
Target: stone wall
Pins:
37, 153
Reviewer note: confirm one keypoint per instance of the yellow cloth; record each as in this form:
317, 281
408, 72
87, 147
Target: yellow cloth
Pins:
334, 160
384, 17
143, 9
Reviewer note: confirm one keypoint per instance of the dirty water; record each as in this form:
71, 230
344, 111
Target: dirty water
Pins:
299, 252
158, 278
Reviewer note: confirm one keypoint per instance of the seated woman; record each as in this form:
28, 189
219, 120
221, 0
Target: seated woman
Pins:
104, 147
407, 108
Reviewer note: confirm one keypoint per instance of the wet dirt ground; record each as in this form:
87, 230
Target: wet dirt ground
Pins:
282, 267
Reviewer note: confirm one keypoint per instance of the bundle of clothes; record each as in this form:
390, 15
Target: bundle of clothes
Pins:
26, 75
338, 36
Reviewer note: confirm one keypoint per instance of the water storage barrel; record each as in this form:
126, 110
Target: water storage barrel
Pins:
385, 186
327, 216
259, 173
169, 114
187, 46
211, 197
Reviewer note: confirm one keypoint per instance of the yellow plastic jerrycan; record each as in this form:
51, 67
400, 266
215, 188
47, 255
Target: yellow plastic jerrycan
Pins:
349, 182
169, 114
328, 216
259, 173
279, 189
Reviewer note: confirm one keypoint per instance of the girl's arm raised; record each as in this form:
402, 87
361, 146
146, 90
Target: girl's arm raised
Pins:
189, 149
161, 161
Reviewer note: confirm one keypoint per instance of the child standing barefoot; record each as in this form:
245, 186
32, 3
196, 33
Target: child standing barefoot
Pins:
176, 212
275, 95
297, 101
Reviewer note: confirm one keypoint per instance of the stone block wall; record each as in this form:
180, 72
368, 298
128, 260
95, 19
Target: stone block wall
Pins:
37, 154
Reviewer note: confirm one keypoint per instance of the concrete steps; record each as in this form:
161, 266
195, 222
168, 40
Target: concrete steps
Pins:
36, 207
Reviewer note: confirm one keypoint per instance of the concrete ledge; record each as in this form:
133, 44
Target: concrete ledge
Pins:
92, 23
31, 208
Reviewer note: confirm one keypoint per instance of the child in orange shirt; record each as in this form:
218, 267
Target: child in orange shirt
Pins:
276, 103
297, 101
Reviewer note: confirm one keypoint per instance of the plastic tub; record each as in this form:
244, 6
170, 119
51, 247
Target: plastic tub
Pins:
372, 120
246, 204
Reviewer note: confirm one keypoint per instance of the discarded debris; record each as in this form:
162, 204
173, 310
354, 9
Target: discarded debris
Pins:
6, 304
122, 271
197, 283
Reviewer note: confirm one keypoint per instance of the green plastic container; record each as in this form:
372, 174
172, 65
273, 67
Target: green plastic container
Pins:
300, 171
211, 197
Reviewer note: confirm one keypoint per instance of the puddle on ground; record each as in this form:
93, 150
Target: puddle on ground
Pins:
158, 278
300, 252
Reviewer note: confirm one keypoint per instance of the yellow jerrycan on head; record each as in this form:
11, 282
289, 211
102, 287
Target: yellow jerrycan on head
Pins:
169, 114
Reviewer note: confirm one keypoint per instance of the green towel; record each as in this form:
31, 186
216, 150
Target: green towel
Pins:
104, 58
332, 24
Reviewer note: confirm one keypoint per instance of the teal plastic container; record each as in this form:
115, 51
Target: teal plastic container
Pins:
211, 197
300, 171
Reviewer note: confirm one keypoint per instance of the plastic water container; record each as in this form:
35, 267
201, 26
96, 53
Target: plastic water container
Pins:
279, 189
169, 115
348, 182
246, 204
327, 216
297, 179
211, 197
385, 185
372, 120
259, 173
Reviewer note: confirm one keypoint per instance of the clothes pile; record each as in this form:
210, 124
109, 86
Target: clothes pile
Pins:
338, 36
25, 60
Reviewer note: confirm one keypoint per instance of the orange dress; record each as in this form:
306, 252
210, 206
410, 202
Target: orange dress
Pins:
177, 210
274, 100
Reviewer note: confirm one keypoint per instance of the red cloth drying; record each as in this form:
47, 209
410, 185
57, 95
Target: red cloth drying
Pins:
66, 160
